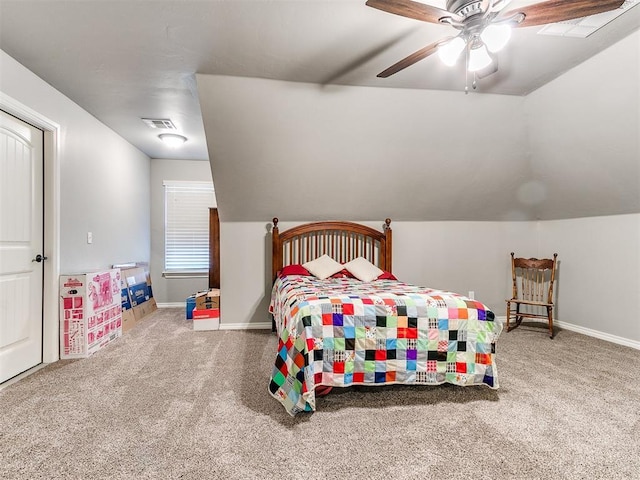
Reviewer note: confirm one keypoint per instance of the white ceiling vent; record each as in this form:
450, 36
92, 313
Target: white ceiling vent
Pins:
585, 26
162, 123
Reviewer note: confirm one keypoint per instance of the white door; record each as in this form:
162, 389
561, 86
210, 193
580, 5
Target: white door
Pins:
21, 243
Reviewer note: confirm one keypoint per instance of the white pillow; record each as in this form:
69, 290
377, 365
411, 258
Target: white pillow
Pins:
363, 269
323, 267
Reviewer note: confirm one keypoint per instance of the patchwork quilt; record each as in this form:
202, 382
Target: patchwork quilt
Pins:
342, 332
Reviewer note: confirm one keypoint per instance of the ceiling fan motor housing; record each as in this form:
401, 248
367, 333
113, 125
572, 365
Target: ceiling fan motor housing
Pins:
464, 8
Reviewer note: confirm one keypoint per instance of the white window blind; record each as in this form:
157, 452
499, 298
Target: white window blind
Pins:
186, 234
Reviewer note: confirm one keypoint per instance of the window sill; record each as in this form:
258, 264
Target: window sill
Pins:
186, 274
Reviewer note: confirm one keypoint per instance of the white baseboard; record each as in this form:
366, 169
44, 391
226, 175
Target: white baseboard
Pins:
172, 305
19, 377
224, 326
589, 332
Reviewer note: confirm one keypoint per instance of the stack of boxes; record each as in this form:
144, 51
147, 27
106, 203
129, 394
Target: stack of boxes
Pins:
136, 295
96, 308
204, 309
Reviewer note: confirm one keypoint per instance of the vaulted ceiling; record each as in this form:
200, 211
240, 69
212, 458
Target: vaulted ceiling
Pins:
287, 91
306, 151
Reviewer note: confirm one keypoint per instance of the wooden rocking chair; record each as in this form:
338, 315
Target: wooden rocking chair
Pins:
532, 288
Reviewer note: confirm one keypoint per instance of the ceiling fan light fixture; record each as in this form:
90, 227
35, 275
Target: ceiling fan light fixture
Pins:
450, 51
172, 140
484, 27
478, 58
496, 36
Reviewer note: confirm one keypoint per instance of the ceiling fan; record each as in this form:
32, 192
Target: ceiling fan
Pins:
484, 27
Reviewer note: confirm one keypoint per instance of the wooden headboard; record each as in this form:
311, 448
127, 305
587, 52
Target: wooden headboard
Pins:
343, 241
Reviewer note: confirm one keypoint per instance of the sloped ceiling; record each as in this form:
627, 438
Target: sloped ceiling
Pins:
584, 136
298, 125
305, 151
122, 60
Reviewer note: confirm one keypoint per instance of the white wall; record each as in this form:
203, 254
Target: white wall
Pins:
171, 290
584, 135
456, 256
245, 273
104, 180
598, 283
94, 182
463, 256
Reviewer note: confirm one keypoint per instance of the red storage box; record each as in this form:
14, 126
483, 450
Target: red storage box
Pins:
206, 318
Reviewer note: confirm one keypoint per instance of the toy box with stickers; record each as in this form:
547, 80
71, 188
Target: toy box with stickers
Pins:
90, 312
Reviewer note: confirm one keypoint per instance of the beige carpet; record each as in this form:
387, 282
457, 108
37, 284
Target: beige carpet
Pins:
166, 402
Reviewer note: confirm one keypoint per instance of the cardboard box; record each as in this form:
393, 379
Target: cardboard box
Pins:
191, 304
144, 309
128, 320
204, 299
206, 319
90, 312
137, 285
150, 306
196, 300
137, 295
208, 299
204, 309
135, 275
124, 298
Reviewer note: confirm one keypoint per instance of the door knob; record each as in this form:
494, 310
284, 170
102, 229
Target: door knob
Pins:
39, 258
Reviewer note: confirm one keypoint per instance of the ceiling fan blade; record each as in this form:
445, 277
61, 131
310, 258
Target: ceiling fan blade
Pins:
413, 58
415, 10
554, 11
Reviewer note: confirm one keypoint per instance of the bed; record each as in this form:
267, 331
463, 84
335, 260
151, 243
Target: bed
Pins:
356, 324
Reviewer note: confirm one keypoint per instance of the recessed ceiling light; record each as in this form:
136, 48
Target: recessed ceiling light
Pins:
173, 140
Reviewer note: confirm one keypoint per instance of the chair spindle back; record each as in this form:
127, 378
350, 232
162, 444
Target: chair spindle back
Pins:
533, 278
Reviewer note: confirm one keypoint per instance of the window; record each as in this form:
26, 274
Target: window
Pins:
186, 227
